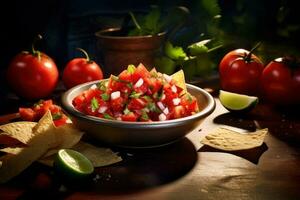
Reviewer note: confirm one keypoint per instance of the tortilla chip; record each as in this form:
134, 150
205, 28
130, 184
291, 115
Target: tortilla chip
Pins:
180, 80
21, 131
43, 139
97, 155
66, 136
228, 140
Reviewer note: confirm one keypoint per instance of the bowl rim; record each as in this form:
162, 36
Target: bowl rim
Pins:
68, 106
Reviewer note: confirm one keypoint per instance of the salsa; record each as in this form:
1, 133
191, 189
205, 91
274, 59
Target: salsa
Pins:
37, 111
137, 94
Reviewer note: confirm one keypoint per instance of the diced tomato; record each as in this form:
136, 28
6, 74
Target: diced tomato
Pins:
27, 114
140, 72
132, 117
61, 121
154, 85
117, 104
137, 104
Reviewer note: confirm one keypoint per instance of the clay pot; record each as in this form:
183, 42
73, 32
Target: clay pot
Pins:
118, 50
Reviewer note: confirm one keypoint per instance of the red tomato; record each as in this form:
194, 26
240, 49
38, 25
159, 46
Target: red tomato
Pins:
240, 72
32, 75
281, 81
81, 70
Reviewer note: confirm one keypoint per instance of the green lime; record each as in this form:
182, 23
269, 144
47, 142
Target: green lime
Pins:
73, 164
237, 102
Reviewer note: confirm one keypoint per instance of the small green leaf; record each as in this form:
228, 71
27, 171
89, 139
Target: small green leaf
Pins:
165, 65
131, 69
174, 52
56, 116
144, 116
101, 86
153, 108
130, 85
135, 95
198, 48
126, 111
105, 96
94, 104
107, 116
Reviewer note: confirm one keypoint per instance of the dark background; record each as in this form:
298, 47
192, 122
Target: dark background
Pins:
66, 25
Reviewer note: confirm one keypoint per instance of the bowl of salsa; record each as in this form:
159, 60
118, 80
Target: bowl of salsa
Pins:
138, 108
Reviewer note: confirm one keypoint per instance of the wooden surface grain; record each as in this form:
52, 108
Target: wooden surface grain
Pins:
186, 169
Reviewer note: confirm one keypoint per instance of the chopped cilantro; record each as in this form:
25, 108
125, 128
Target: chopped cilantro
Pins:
147, 98
135, 95
105, 96
101, 86
130, 85
94, 104
189, 97
144, 116
126, 111
107, 116
131, 69
56, 116
153, 108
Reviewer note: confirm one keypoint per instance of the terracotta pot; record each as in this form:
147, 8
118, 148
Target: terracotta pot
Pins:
119, 51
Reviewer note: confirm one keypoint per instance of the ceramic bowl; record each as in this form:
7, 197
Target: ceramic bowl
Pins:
137, 134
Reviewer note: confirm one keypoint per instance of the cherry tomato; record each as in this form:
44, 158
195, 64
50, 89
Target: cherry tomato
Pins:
81, 70
240, 72
281, 81
32, 75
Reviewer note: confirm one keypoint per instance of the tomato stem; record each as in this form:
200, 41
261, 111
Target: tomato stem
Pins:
86, 55
36, 52
249, 55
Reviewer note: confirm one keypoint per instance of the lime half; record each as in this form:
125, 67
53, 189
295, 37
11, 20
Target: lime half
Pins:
73, 163
237, 102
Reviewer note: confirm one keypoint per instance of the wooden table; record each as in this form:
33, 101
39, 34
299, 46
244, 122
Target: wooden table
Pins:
186, 169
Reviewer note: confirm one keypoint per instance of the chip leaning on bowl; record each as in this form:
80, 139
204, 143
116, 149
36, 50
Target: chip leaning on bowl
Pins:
138, 108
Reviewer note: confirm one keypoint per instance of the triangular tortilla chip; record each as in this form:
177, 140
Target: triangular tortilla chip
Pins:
38, 145
228, 140
66, 136
21, 131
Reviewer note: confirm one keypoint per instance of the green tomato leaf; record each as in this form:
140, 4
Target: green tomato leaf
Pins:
198, 48
174, 52
165, 65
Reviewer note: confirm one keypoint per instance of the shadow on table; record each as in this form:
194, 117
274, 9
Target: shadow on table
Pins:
253, 155
140, 169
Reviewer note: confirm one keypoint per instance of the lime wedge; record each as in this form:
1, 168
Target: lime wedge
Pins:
237, 102
73, 163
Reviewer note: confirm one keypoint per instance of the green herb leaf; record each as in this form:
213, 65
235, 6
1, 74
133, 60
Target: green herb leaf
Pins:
94, 104
174, 52
144, 116
135, 95
131, 69
153, 108
56, 116
101, 86
107, 116
105, 96
126, 111
130, 85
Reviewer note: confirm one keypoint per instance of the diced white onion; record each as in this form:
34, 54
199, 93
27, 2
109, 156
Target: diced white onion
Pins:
139, 83
167, 77
115, 95
163, 97
166, 111
102, 109
161, 105
174, 88
94, 86
68, 121
176, 101
162, 117
119, 118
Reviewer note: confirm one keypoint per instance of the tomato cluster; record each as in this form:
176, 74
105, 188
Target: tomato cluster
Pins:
277, 82
137, 95
37, 111
34, 75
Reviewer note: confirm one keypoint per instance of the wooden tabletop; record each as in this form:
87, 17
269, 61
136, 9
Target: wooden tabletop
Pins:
186, 169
